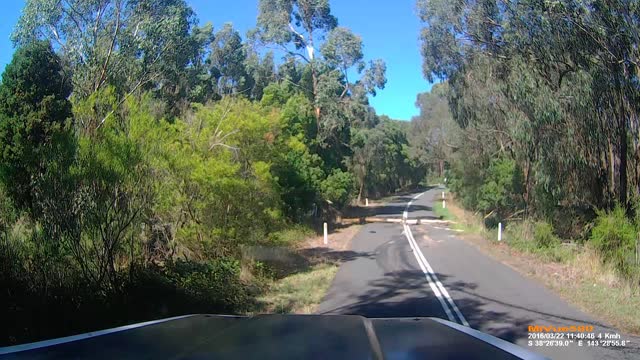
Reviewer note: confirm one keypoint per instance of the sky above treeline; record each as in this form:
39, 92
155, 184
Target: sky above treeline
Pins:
389, 30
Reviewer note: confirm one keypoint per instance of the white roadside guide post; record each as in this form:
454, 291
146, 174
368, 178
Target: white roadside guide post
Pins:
326, 240
499, 231
366, 202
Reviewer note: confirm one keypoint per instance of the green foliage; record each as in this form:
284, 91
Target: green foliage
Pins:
215, 283
500, 188
380, 160
537, 237
281, 22
34, 122
338, 188
543, 235
536, 82
615, 237
276, 94
299, 173
174, 143
290, 235
343, 49
227, 61
8, 213
129, 45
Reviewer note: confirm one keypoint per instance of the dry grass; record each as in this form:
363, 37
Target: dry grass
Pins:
582, 280
299, 293
303, 274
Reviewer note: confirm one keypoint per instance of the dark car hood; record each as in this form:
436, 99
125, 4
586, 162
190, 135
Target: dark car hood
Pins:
277, 337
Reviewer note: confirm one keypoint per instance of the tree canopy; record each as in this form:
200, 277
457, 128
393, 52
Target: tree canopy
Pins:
143, 154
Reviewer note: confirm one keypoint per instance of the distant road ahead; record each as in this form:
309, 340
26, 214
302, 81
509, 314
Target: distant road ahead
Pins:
426, 270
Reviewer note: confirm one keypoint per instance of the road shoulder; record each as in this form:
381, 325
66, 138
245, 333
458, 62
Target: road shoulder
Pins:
580, 281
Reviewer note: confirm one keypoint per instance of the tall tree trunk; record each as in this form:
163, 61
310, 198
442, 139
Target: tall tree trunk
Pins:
622, 144
314, 78
314, 81
623, 160
612, 167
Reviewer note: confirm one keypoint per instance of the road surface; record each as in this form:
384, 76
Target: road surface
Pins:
426, 270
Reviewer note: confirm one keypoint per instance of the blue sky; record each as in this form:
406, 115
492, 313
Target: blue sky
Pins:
389, 30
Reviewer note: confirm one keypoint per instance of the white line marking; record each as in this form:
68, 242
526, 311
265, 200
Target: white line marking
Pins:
432, 284
430, 274
435, 278
434, 221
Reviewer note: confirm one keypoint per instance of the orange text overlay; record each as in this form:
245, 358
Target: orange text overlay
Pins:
560, 329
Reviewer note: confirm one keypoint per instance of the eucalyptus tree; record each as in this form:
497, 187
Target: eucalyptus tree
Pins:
261, 70
227, 62
296, 27
35, 115
550, 84
131, 44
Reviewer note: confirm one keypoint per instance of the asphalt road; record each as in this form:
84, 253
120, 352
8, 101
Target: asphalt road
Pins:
385, 277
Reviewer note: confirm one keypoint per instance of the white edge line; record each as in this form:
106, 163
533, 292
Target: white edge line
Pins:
438, 283
432, 284
67, 339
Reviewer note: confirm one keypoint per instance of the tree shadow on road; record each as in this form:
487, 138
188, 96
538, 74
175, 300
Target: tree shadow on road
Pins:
284, 261
407, 294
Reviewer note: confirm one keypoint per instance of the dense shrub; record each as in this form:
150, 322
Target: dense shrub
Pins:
214, 284
615, 236
537, 237
496, 189
543, 235
338, 188
65, 304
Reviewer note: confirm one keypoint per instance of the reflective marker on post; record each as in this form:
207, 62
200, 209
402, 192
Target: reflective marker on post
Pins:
499, 231
326, 240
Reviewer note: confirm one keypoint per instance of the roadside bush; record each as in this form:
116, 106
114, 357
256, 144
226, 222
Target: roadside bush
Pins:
65, 304
520, 235
543, 235
614, 236
537, 238
501, 188
289, 236
338, 187
213, 285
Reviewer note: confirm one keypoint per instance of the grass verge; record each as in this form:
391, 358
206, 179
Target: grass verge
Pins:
295, 278
299, 293
575, 272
